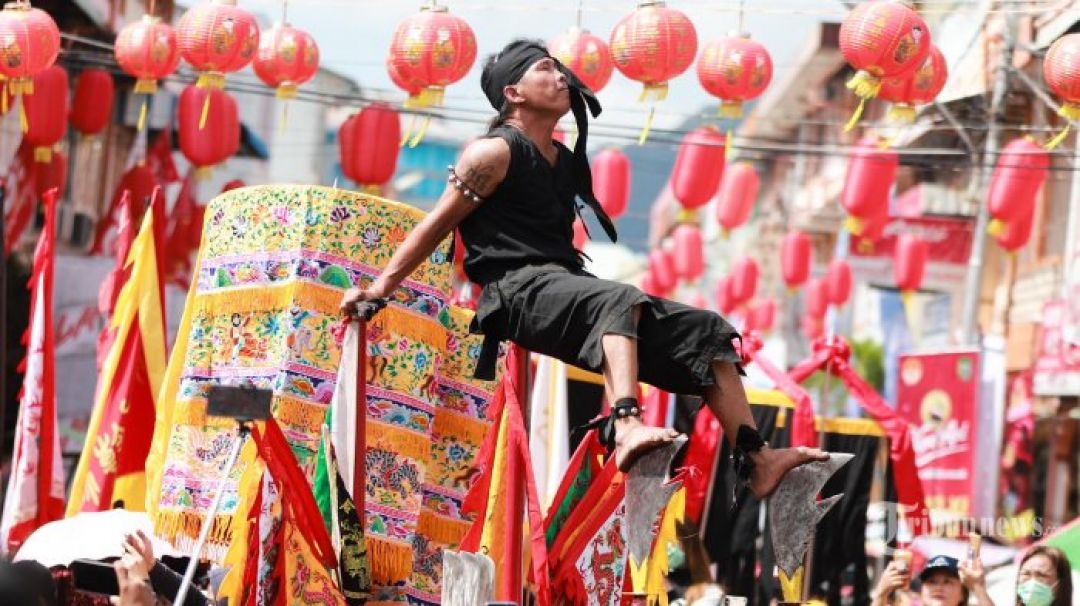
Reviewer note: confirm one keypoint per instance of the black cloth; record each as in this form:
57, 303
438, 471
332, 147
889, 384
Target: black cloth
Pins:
507, 68
564, 313
838, 560
528, 219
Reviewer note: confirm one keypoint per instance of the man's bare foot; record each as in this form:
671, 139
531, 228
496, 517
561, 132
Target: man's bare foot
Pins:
770, 466
633, 439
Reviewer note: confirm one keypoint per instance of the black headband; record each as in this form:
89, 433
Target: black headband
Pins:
507, 68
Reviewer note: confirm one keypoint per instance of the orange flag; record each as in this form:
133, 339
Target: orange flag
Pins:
35, 492
111, 468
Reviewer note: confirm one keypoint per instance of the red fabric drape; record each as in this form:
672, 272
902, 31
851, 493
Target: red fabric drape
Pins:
833, 355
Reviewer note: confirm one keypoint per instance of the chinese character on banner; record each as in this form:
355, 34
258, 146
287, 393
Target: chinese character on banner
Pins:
938, 394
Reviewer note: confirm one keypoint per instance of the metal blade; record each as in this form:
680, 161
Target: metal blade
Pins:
647, 494
794, 510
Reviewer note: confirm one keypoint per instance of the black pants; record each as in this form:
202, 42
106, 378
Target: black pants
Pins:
551, 310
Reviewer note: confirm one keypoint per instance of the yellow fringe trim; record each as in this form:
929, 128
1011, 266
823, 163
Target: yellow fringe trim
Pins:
172, 525
142, 114
1057, 139
145, 86
419, 136
647, 127
854, 225
441, 530
865, 86
904, 114
320, 298
391, 562
996, 227
210, 80
730, 109
688, 215
286, 91
407, 133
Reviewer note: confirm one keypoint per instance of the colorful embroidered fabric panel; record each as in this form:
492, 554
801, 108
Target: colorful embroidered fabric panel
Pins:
271, 271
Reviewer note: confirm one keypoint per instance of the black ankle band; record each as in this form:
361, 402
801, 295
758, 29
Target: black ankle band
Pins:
747, 441
623, 408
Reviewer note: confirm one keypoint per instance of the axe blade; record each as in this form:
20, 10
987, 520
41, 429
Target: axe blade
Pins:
794, 508
647, 494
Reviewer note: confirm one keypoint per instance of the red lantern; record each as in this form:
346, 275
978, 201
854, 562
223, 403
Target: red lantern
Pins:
1018, 176
744, 279
738, 191
1016, 233
213, 142
662, 270
47, 111
725, 300
695, 178
812, 328
872, 229
287, 57
410, 85
870, 176
1061, 70
689, 252
432, 49
762, 315
580, 235
52, 174
648, 285
611, 181
217, 38
817, 298
653, 44
31, 42
92, 106
838, 282
148, 51
909, 262
369, 145
881, 39
735, 69
796, 256
586, 55
917, 88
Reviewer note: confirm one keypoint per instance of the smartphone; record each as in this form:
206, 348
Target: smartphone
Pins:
95, 576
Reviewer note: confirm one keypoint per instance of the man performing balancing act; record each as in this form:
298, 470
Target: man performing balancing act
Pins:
512, 195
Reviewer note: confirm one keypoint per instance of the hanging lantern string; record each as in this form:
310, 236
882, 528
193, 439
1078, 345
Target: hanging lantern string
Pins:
284, 11
742, 14
580, 2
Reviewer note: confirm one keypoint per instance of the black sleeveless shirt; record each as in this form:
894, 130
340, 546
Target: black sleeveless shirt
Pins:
528, 219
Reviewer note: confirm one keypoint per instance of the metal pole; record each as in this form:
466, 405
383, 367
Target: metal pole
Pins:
973, 282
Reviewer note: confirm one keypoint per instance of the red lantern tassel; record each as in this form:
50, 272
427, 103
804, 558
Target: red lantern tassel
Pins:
656, 93
866, 87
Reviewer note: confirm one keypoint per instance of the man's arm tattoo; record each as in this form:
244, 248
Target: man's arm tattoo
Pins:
478, 177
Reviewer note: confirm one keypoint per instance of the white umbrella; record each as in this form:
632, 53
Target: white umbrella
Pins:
91, 536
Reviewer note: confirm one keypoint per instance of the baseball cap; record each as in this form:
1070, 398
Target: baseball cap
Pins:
951, 565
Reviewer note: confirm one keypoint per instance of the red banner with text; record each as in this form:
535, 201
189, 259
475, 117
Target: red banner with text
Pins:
938, 393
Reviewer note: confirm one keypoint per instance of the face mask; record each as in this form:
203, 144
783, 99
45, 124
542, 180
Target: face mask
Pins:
1034, 593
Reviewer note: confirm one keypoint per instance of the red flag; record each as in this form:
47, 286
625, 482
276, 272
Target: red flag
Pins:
35, 492
110, 287
112, 465
160, 159
140, 182
185, 231
22, 195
